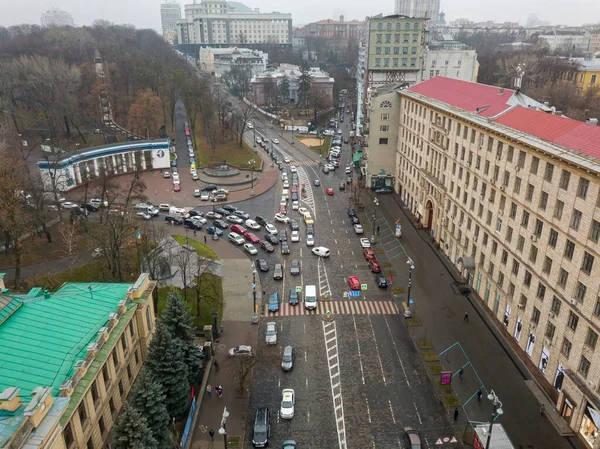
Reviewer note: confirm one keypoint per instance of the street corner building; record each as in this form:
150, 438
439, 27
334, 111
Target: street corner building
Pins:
508, 189
65, 171
68, 360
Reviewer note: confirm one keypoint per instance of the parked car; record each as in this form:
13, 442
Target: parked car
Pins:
262, 427
241, 351
358, 229
213, 230
369, 254
173, 220
250, 249
266, 246
374, 266
271, 229
287, 360
381, 281
353, 282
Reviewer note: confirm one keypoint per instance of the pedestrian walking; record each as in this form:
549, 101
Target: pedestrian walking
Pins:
479, 394
542, 409
194, 233
216, 365
205, 240
209, 391
460, 373
455, 413
466, 318
377, 230
211, 434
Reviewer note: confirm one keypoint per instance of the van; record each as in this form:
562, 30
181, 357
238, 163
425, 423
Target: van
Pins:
310, 297
287, 360
164, 207
262, 427
177, 211
235, 238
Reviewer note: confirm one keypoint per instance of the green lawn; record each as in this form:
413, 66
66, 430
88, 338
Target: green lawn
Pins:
206, 306
201, 249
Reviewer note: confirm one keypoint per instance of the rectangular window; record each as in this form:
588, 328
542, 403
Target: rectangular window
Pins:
553, 239
535, 316
115, 357
515, 268
569, 249
529, 194
541, 291
573, 321
83, 414
517, 186
533, 252
584, 367
591, 339
504, 257
383, 141
597, 307
510, 153
106, 375
521, 161
535, 161
550, 329
549, 172
539, 227
68, 435
595, 231
558, 209
513, 210
580, 292
566, 348
555, 305
582, 189
94, 392
90, 443
124, 343
588, 263
101, 426
509, 234
565, 177
547, 265
111, 405
384, 128
527, 279
525, 219
543, 200
385, 116
121, 388
576, 219
563, 277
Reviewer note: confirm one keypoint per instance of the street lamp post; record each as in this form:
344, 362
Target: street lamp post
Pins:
254, 288
497, 412
411, 266
292, 130
251, 164
223, 429
376, 201
254, 145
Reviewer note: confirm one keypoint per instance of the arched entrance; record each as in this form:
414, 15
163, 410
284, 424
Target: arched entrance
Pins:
429, 214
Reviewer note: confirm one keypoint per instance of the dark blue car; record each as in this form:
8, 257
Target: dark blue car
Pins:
212, 230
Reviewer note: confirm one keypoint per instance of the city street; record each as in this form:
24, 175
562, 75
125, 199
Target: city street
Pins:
357, 380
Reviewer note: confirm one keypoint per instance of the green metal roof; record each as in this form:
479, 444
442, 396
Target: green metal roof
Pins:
41, 340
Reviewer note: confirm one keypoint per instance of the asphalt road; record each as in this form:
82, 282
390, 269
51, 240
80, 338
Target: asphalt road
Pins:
358, 381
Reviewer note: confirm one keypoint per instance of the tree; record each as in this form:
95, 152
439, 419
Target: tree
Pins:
148, 399
178, 321
222, 105
144, 115
241, 367
166, 364
184, 259
131, 431
304, 83
241, 115
284, 90
204, 282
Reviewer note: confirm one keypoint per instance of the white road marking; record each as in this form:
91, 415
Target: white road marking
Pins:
283, 283
346, 231
362, 373
335, 240
353, 253
334, 379
306, 359
418, 414
308, 416
396, 349
377, 349
278, 383
392, 411
306, 382
304, 333
341, 265
300, 253
368, 411
333, 230
331, 221
338, 251
343, 222
329, 212
400, 443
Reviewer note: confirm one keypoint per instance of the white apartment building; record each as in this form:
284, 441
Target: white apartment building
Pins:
55, 17
457, 64
419, 8
566, 41
170, 14
215, 22
220, 60
511, 195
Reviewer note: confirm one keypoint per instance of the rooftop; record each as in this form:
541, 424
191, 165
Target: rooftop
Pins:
585, 64
41, 340
514, 110
337, 22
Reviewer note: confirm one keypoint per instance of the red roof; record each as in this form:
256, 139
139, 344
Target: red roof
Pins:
489, 100
559, 130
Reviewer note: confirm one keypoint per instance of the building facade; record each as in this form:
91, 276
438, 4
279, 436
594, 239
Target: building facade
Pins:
588, 72
429, 9
216, 22
566, 41
511, 194
55, 17
71, 171
170, 14
336, 29
68, 361
220, 60
457, 64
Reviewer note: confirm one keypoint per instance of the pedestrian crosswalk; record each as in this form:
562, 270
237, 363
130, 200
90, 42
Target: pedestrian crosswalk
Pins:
337, 308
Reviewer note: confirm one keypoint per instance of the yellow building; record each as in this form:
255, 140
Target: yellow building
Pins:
588, 74
68, 361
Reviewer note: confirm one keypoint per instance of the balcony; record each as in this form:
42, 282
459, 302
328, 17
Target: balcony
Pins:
431, 177
437, 124
440, 141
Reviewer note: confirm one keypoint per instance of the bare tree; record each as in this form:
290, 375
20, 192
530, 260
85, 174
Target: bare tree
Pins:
204, 282
241, 115
241, 367
223, 107
154, 260
184, 260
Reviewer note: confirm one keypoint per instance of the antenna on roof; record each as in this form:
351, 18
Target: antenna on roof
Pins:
518, 81
91, 293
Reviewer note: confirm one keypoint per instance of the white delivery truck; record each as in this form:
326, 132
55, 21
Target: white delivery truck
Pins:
310, 297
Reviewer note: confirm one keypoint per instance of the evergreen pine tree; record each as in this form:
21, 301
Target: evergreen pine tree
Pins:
166, 364
177, 319
149, 401
304, 83
131, 431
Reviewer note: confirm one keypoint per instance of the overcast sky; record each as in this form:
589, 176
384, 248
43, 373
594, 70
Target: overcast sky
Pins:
146, 13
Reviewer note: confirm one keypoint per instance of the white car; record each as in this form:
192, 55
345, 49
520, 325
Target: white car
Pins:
283, 201
271, 336
295, 236
205, 196
167, 174
96, 202
69, 205
348, 170
287, 160
195, 177
250, 125
321, 251
252, 225
180, 211
339, 131
286, 184
258, 140
271, 229
250, 248
358, 229
234, 219
143, 216
199, 220
293, 169
365, 243
303, 211
274, 140
288, 399
175, 177
310, 240
197, 193
213, 214
295, 205
281, 218
241, 351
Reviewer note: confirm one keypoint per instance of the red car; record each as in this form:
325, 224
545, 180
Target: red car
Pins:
252, 238
329, 191
176, 187
266, 246
294, 189
369, 254
239, 229
353, 282
374, 265
282, 210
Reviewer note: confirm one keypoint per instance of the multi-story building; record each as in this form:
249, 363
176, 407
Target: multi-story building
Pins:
216, 22
457, 64
588, 72
360, 77
170, 14
55, 17
594, 46
336, 30
68, 361
511, 194
559, 40
429, 9
220, 60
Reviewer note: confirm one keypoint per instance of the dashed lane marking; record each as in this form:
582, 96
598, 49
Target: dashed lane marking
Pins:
335, 379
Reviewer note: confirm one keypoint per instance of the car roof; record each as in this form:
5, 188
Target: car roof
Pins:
271, 324
287, 392
244, 348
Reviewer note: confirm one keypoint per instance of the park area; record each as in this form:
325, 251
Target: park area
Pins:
319, 146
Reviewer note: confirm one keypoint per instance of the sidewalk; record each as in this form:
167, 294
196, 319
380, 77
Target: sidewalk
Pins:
237, 330
489, 362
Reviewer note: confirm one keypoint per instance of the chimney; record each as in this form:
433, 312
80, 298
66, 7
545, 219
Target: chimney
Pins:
10, 400
341, 18
501, 91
